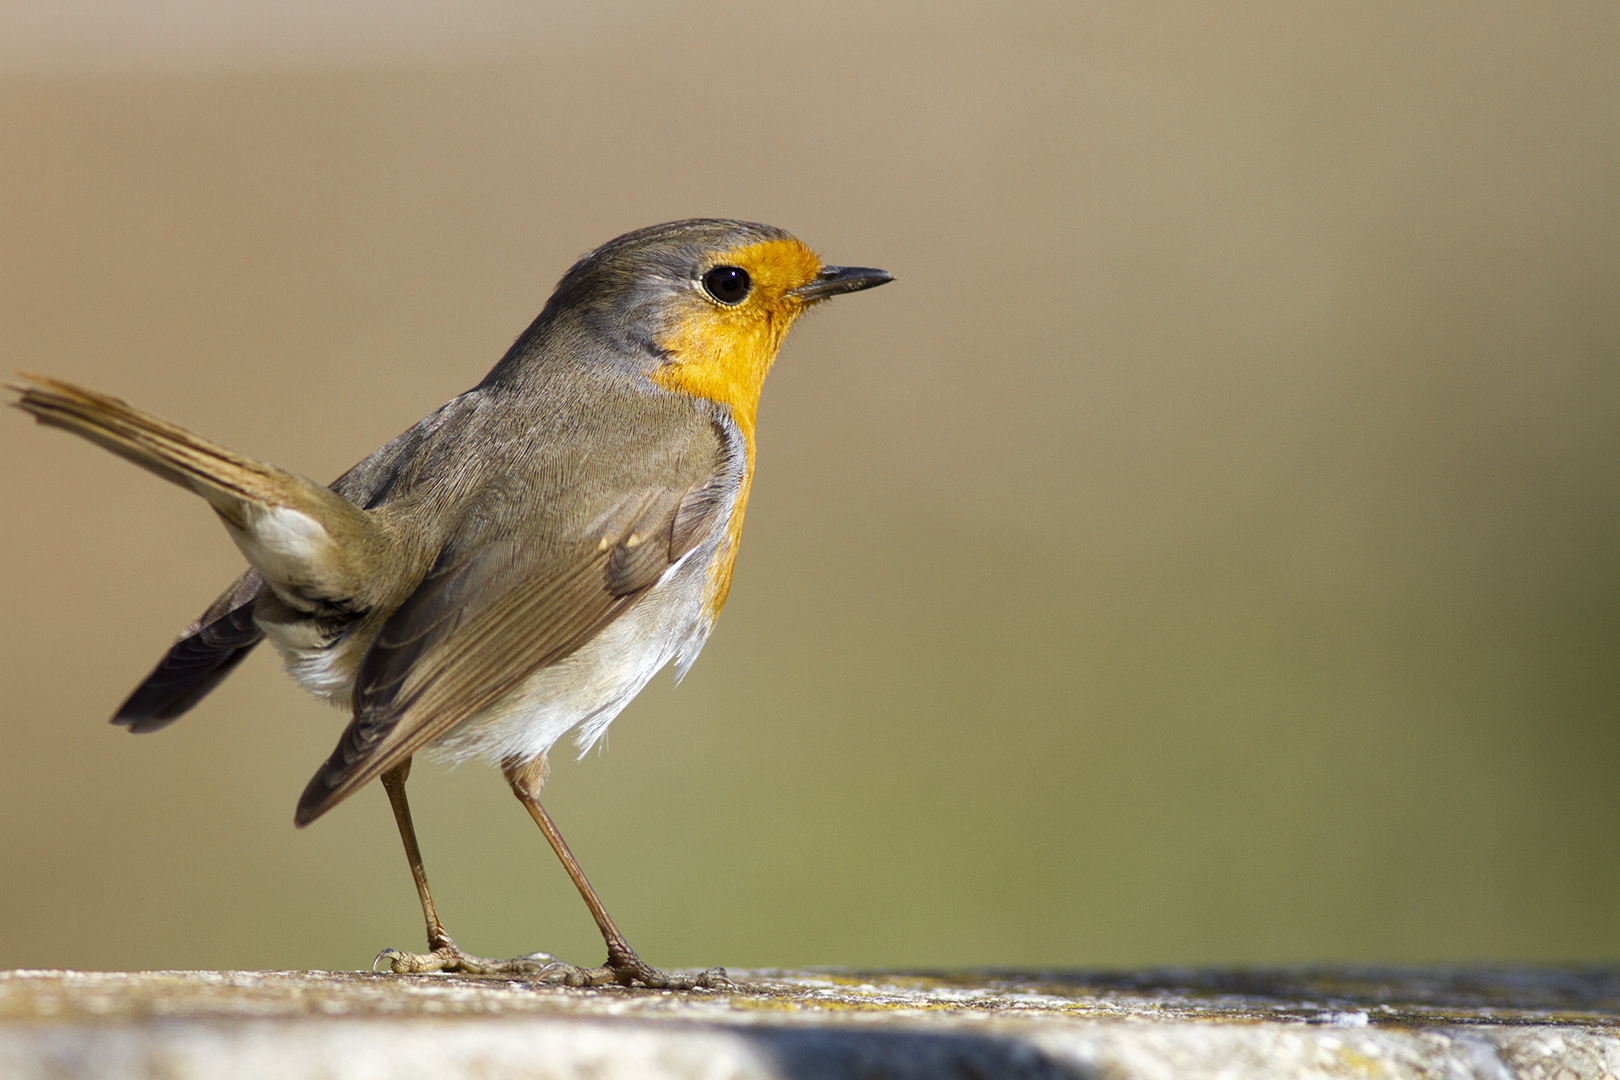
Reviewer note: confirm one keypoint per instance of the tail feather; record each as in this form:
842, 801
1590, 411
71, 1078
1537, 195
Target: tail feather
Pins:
310, 543
179, 456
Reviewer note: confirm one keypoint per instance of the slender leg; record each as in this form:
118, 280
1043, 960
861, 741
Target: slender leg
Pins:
442, 954
393, 782
623, 965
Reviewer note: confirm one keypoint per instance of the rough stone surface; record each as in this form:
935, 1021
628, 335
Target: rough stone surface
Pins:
808, 1025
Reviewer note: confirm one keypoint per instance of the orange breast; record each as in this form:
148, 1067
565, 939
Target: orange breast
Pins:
723, 354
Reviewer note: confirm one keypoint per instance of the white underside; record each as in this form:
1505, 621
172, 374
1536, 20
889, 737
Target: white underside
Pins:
584, 692
325, 671
581, 693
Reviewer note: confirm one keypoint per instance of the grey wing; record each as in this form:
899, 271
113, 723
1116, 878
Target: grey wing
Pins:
485, 619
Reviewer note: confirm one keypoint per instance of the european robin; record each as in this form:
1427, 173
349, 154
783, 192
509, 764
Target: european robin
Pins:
517, 565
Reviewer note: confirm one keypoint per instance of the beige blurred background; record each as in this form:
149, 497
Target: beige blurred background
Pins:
1205, 551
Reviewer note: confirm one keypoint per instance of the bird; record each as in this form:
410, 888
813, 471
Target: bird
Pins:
517, 565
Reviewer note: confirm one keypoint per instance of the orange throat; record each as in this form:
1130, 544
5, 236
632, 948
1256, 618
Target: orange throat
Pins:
722, 354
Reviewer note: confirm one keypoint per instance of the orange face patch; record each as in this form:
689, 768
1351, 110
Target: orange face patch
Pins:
722, 352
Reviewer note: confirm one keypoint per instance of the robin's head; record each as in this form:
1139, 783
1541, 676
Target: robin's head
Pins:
704, 302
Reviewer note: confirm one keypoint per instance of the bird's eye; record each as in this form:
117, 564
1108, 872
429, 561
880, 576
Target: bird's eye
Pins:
727, 284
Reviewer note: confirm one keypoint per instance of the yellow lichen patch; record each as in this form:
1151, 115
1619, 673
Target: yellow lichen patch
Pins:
723, 352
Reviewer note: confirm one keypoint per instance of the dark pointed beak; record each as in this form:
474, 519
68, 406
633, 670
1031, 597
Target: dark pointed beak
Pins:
841, 279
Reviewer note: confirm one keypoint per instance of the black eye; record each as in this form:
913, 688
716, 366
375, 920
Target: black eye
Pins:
727, 284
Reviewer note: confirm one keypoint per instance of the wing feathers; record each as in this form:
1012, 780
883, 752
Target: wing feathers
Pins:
207, 651
482, 623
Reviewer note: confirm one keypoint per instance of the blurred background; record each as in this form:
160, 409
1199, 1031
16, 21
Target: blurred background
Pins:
1208, 550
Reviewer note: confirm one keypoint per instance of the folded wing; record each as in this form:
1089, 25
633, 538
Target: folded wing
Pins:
488, 615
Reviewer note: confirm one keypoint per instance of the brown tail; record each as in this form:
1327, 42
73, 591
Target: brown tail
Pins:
326, 561
224, 478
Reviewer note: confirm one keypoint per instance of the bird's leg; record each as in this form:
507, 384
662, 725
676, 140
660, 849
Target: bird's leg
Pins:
393, 782
623, 965
442, 954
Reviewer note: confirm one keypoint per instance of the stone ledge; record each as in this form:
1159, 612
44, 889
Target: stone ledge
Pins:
1495, 1023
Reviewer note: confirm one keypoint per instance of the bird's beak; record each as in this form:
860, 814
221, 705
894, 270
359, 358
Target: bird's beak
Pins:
840, 279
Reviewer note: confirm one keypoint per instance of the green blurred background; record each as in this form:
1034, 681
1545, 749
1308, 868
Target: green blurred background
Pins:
1208, 550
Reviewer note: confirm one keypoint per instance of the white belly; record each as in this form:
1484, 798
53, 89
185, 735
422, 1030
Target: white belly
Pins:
590, 687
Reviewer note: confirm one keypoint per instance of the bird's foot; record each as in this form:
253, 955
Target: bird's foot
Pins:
622, 969
448, 957
625, 968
